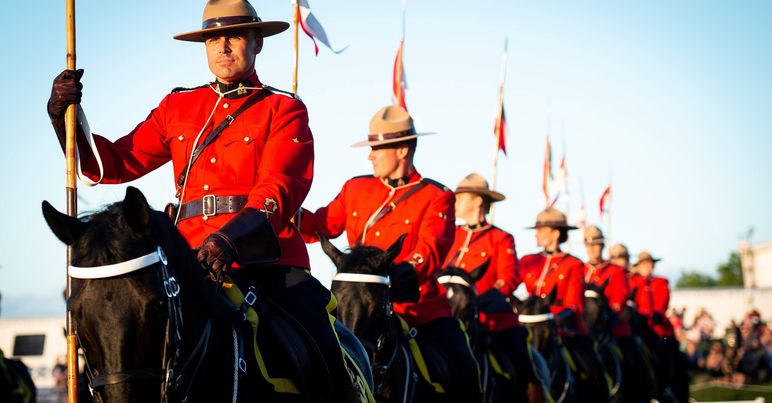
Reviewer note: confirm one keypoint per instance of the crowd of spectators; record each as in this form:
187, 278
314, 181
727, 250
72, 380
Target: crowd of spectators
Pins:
742, 356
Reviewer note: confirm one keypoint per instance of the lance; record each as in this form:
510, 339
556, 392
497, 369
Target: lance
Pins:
295, 23
70, 119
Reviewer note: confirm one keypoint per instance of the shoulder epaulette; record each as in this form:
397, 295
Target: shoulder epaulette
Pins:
281, 92
436, 184
184, 89
363, 177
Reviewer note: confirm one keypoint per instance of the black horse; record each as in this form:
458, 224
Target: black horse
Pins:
621, 356
666, 374
154, 328
365, 293
511, 370
16, 384
576, 376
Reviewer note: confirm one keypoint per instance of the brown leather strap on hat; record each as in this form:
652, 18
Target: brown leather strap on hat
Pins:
211, 205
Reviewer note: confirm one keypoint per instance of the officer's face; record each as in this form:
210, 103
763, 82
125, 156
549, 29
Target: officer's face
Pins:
231, 55
620, 261
386, 160
645, 268
547, 237
467, 204
593, 251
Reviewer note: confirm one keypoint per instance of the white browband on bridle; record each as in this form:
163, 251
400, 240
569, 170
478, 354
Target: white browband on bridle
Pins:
118, 269
362, 278
453, 280
591, 294
535, 318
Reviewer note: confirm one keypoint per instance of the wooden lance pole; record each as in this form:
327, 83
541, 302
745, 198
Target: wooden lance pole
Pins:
70, 119
295, 23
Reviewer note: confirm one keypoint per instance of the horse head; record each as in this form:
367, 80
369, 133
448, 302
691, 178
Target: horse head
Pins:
597, 313
462, 293
362, 286
125, 296
534, 312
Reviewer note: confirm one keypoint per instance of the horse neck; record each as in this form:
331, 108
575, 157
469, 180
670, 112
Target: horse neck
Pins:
600, 329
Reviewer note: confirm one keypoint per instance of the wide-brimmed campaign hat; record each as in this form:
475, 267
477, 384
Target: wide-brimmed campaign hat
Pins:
227, 15
552, 217
593, 236
644, 256
474, 183
391, 124
619, 251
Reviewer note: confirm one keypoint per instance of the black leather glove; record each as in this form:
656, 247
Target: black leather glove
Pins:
66, 90
567, 320
404, 283
216, 253
247, 238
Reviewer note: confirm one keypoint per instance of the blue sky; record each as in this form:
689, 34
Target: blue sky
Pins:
669, 99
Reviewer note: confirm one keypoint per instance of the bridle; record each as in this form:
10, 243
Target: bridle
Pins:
173, 334
377, 348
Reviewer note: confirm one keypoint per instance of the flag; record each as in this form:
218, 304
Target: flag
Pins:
500, 130
547, 171
312, 27
399, 82
562, 176
605, 200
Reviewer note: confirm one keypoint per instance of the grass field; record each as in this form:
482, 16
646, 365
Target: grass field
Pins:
713, 393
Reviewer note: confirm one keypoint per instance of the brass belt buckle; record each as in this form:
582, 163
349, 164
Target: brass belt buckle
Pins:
208, 206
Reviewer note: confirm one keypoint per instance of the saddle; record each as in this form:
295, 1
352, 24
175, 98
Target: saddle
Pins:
270, 325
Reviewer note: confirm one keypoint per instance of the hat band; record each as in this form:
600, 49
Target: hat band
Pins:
390, 136
551, 224
226, 21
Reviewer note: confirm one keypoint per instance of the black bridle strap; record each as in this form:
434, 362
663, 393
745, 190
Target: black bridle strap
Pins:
134, 375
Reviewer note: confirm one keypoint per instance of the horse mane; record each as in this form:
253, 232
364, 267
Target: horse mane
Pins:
188, 271
363, 259
108, 238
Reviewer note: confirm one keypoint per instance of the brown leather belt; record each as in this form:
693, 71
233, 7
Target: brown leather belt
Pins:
211, 205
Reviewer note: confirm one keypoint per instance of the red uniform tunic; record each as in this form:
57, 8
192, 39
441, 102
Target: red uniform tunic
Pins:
427, 216
616, 291
267, 154
541, 273
472, 247
653, 295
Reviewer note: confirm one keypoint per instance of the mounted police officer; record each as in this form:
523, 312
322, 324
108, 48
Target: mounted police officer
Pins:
553, 269
243, 157
375, 210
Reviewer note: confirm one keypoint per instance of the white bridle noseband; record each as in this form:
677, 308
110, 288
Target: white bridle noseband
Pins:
544, 317
591, 294
362, 278
451, 279
118, 269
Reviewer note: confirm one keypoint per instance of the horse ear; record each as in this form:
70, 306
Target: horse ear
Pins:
479, 271
552, 296
393, 251
67, 229
330, 250
136, 210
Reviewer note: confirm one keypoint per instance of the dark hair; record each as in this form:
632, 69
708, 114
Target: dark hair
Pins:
563, 235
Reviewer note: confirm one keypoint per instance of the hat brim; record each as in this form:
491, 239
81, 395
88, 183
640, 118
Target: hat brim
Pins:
652, 260
368, 143
600, 241
493, 195
267, 28
567, 227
